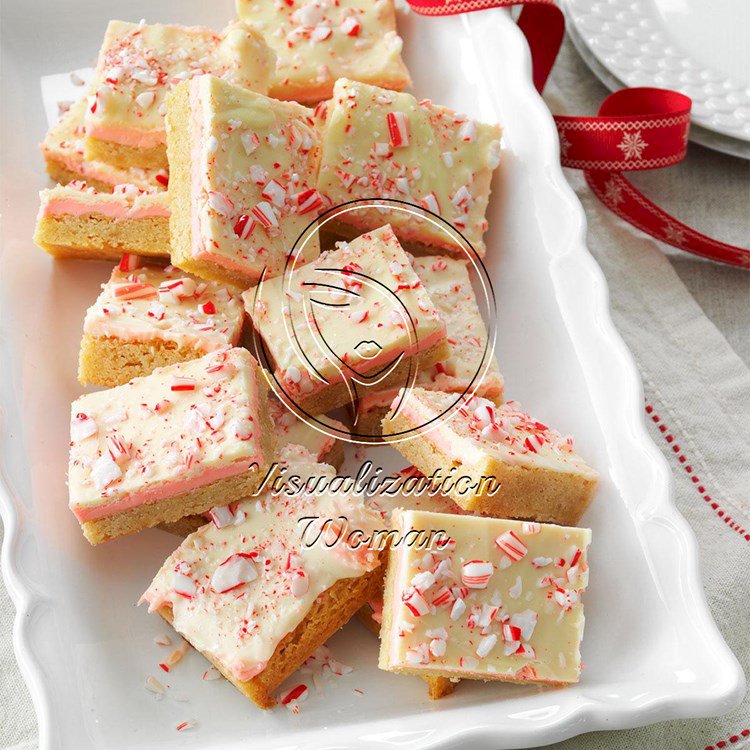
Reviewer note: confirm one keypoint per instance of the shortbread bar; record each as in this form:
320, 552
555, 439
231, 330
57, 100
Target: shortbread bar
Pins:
318, 41
184, 439
77, 221
242, 181
63, 148
139, 63
382, 144
488, 599
469, 366
357, 318
149, 316
504, 462
257, 595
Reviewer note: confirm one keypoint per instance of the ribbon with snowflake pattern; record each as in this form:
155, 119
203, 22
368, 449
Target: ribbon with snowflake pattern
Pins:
635, 129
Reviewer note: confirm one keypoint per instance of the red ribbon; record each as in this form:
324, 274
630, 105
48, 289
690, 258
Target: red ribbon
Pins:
635, 129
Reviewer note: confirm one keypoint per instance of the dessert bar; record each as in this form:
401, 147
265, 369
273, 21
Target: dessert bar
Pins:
355, 319
257, 595
317, 42
63, 150
139, 63
382, 144
487, 599
77, 221
242, 181
150, 316
500, 460
184, 439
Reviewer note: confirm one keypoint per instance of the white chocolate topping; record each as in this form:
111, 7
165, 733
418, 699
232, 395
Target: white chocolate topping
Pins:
181, 427
358, 307
147, 302
64, 144
497, 599
235, 592
254, 161
449, 286
139, 63
382, 144
478, 428
318, 41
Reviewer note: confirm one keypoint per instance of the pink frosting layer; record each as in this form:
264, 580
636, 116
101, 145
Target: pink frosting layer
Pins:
159, 492
110, 208
127, 136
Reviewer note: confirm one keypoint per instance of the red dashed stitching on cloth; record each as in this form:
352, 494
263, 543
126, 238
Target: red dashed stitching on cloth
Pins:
656, 419
734, 738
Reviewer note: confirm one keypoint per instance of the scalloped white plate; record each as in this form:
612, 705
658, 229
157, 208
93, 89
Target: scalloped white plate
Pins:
698, 47
651, 649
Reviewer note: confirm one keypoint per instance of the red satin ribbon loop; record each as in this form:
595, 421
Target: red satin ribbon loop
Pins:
639, 128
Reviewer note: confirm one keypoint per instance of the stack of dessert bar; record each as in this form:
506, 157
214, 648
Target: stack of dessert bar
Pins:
194, 164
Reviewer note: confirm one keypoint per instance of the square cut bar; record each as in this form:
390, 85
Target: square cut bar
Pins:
242, 180
184, 439
63, 148
466, 367
257, 596
77, 221
539, 475
356, 318
318, 41
139, 63
491, 600
150, 316
382, 144
290, 430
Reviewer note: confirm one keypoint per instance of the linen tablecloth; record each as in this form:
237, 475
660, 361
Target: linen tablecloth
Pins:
687, 323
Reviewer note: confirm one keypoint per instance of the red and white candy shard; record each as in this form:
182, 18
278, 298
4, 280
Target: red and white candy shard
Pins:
81, 427
415, 602
524, 622
183, 384
486, 645
182, 582
476, 574
298, 693
300, 583
104, 471
130, 262
265, 214
511, 545
237, 570
226, 515
398, 129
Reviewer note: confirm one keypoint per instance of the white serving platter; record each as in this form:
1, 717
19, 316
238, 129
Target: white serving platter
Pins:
651, 649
